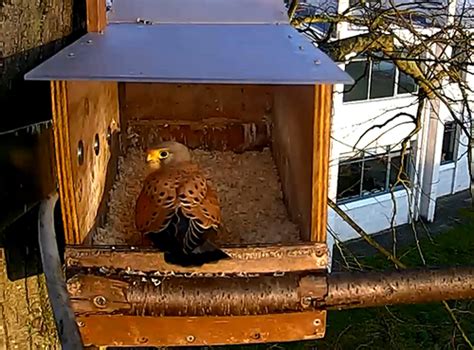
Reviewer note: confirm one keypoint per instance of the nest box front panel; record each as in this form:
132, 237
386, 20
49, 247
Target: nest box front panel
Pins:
85, 117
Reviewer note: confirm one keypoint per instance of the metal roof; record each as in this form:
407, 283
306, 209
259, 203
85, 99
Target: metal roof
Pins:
193, 53
198, 11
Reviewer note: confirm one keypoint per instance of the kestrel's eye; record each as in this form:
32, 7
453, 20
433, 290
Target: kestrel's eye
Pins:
164, 154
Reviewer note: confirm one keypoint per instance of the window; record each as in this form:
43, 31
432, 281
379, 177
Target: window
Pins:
382, 82
406, 84
376, 79
449, 144
359, 71
369, 175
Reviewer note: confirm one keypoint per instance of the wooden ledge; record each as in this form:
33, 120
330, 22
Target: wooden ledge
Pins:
274, 259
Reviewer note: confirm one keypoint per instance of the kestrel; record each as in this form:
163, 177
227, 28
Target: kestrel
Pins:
177, 208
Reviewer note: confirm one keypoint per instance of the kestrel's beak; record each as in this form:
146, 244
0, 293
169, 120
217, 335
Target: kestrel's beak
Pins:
149, 158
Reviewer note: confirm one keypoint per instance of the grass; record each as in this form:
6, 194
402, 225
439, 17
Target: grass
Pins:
426, 326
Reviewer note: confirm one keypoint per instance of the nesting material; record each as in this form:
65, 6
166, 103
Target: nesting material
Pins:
249, 192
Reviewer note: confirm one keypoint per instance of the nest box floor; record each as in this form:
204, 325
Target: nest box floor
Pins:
249, 192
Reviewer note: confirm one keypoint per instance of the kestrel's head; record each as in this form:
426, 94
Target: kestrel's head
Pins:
167, 153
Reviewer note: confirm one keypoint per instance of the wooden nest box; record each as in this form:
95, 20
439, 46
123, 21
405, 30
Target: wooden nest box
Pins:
252, 98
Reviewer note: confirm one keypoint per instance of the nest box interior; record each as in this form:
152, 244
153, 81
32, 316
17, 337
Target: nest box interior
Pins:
254, 143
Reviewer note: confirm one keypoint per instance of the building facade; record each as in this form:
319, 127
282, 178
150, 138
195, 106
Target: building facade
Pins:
371, 119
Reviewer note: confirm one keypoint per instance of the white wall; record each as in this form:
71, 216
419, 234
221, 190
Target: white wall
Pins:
350, 121
454, 177
372, 214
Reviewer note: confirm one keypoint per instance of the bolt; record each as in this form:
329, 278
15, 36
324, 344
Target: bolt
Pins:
190, 338
317, 322
142, 340
100, 301
71, 54
317, 62
301, 48
305, 302
81, 324
256, 335
89, 41
319, 253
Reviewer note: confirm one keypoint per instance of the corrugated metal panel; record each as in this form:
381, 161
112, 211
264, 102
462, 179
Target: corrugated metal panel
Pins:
198, 11
253, 54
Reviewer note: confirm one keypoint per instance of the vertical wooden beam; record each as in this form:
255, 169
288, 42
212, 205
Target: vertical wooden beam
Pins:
96, 15
322, 134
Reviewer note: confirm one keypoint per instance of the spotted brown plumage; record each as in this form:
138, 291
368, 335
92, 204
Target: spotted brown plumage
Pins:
177, 207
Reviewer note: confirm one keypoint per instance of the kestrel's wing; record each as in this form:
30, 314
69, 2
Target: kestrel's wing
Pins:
199, 204
157, 202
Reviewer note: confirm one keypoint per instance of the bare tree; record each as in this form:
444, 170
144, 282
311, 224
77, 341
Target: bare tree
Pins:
431, 44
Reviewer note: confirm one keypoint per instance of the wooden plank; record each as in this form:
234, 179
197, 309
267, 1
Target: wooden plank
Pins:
322, 140
250, 260
95, 292
96, 15
293, 150
220, 135
247, 103
122, 330
92, 111
63, 163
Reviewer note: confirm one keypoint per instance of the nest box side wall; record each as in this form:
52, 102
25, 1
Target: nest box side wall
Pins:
302, 117
212, 116
85, 117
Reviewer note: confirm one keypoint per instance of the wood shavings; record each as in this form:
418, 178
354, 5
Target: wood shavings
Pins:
247, 185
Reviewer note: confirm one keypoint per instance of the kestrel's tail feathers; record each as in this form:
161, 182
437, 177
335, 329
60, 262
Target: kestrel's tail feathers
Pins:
196, 258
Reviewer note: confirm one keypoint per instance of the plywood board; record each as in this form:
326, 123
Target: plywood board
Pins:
84, 115
320, 156
301, 134
201, 331
196, 102
96, 15
293, 150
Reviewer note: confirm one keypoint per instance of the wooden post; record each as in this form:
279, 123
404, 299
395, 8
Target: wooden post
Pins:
322, 139
96, 15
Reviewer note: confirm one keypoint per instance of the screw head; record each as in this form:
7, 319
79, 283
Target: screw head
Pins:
142, 340
305, 302
319, 253
100, 301
190, 338
317, 322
